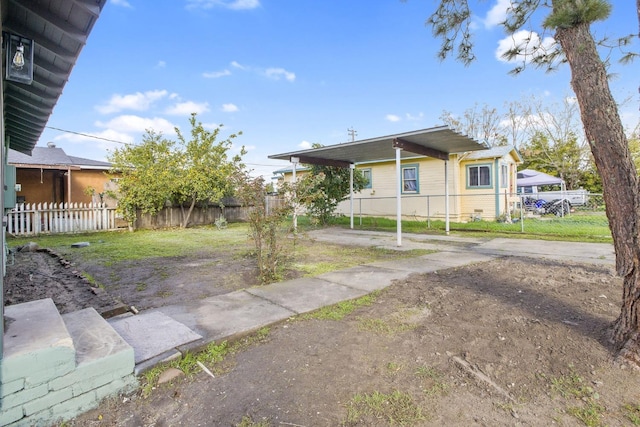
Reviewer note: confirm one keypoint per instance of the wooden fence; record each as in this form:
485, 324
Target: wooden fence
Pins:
46, 218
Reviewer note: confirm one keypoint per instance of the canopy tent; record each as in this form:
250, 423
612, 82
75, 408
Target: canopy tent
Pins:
437, 142
530, 177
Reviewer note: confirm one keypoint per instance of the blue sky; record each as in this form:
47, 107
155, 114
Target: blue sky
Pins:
291, 73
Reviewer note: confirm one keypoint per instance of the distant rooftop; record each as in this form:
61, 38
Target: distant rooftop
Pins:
53, 156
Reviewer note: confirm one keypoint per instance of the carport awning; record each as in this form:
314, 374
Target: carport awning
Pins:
438, 142
435, 142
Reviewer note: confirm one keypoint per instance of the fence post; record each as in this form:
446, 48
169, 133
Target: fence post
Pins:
522, 214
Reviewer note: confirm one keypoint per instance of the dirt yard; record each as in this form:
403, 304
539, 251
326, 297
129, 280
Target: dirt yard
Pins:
511, 342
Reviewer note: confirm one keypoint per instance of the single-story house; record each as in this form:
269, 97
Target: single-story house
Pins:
478, 184
49, 175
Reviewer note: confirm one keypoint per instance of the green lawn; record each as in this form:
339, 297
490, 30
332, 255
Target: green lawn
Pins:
589, 227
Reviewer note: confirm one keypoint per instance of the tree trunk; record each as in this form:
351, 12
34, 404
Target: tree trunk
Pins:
610, 148
185, 218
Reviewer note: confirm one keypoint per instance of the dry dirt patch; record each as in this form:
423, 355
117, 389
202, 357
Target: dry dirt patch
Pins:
509, 342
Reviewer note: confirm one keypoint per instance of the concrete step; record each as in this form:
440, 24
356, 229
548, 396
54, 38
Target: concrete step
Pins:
154, 337
97, 343
56, 367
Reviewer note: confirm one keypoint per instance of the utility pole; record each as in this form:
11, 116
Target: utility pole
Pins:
352, 133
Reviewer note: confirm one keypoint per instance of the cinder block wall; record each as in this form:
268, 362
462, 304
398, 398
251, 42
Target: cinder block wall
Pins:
56, 367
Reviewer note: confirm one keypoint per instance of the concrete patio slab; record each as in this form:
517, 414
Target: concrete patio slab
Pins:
152, 333
307, 294
434, 262
599, 253
368, 278
224, 316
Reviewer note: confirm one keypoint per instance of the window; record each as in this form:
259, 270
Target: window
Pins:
410, 179
504, 176
366, 173
479, 176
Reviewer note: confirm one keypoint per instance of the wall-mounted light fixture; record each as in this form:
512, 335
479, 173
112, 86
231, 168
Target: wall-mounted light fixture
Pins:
19, 65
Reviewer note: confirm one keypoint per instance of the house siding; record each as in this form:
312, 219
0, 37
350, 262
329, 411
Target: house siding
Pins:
50, 185
465, 203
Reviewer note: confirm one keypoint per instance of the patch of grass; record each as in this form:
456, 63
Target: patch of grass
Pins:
395, 408
164, 293
571, 386
384, 326
141, 287
212, 357
340, 310
394, 367
578, 226
435, 380
316, 259
92, 280
247, 421
115, 246
632, 413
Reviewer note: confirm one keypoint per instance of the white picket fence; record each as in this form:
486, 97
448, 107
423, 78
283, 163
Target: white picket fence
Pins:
47, 218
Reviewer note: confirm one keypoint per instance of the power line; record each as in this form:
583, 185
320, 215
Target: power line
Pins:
88, 136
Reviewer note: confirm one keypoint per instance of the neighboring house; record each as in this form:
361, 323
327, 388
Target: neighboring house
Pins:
49, 175
482, 185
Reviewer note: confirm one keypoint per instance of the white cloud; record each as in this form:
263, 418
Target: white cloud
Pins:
305, 145
106, 140
527, 42
230, 108
274, 73
277, 73
497, 14
235, 64
123, 3
187, 107
161, 64
228, 4
136, 101
416, 118
216, 74
392, 118
138, 125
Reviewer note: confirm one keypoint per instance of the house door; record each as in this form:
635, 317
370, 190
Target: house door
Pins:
59, 183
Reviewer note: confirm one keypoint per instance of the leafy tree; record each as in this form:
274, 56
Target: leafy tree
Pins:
146, 175
561, 158
571, 20
159, 171
205, 169
333, 183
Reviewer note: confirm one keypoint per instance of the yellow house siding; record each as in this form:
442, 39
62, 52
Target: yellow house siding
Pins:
428, 202
488, 203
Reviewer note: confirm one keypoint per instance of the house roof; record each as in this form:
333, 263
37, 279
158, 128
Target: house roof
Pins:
59, 29
495, 153
437, 140
53, 157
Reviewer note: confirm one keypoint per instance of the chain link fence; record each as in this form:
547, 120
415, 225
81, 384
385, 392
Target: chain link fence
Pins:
503, 212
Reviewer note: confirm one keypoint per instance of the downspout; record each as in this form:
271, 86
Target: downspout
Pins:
352, 166
398, 198
69, 186
496, 180
446, 196
295, 161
